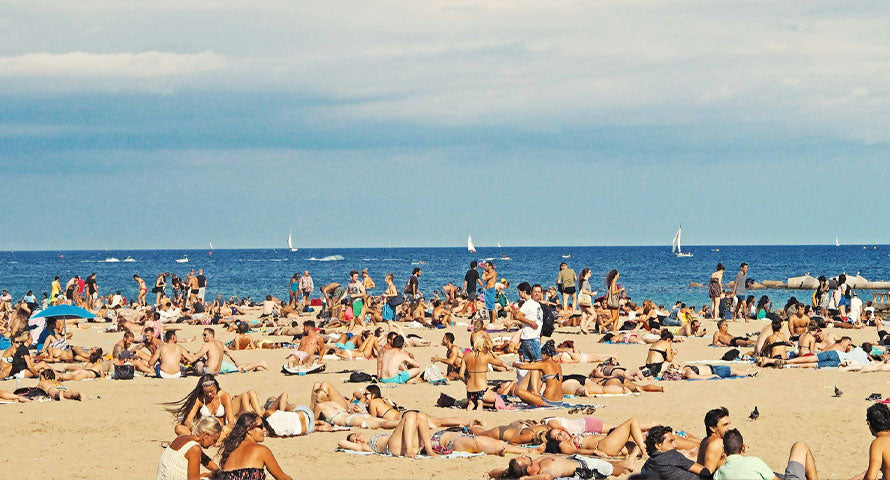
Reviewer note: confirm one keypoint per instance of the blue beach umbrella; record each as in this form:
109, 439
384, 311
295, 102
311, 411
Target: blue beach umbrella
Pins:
63, 311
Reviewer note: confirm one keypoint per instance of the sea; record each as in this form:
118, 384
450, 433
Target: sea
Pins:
651, 272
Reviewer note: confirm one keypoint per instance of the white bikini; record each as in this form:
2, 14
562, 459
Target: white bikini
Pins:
205, 412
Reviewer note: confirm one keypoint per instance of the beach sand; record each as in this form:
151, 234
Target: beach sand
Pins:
117, 431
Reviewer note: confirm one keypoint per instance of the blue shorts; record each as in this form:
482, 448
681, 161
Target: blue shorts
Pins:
490, 295
388, 313
402, 377
227, 367
741, 298
345, 346
721, 371
530, 350
828, 359
843, 302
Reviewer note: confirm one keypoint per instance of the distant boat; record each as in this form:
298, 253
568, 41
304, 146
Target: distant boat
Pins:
184, 259
499, 244
129, 259
211, 249
836, 243
470, 247
111, 260
567, 256
388, 245
675, 245
290, 241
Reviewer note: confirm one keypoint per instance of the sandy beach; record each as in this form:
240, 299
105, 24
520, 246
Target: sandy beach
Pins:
117, 431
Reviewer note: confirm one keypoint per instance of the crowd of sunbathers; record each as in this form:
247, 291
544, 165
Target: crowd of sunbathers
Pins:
351, 323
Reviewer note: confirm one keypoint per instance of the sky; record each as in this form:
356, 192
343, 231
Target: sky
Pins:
171, 124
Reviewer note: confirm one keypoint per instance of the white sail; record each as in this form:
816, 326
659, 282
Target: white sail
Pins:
470, 246
211, 245
290, 241
499, 244
675, 243
836, 244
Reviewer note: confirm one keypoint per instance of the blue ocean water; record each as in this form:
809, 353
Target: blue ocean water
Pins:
646, 272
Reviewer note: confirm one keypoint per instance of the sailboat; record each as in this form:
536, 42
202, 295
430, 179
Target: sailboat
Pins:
470, 247
836, 243
499, 244
675, 245
211, 249
290, 241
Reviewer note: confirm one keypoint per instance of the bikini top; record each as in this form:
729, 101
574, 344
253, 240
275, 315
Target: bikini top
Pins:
220, 412
662, 352
557, 376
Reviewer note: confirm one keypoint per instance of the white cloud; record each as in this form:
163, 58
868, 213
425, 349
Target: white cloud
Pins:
141, 65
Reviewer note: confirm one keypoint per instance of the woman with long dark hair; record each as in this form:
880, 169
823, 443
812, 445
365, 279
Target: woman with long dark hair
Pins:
550, 376
715, 289
613, 296
585, 299
242, 457
207, 399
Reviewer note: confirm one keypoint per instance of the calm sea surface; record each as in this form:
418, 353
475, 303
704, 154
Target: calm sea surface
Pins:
647, 272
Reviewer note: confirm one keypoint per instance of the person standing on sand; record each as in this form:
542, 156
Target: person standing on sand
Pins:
566, 281
489, 278
202, 285
471, 280
306, 288
368, 281
715, 290
294, 289
740, 290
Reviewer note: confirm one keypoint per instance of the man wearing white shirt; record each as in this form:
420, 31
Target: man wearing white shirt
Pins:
855, 308
531, 316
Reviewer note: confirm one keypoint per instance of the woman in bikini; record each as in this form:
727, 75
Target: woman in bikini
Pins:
585, 301
568, 353
548, 372
160, 287
475, 369
613, 294
365, 342
54, 387
776, 345
379, 407
207, 399
142, 290
94, 368
613, 444
242, 457
518, 432
660, 355
458, 440
412, 433
329, 405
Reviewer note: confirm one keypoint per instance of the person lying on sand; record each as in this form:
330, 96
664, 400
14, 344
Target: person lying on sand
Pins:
707, 372
329, 405
722, 337
548, 467
410, 436
380, 407
51, 385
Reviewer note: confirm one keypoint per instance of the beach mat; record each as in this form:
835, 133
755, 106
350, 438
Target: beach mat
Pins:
302, 370
419, 457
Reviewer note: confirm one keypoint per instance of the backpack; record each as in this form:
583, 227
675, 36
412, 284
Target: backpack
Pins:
361, 377
549, 321
124, 372
731, 355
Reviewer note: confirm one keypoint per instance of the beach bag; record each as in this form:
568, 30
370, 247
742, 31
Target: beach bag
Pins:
433, 374
394, 302
446, 401
584, 300
124, 372
731, 355
612, 300
360, 377
549, 321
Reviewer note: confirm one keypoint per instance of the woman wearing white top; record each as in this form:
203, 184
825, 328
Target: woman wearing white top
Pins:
183, 458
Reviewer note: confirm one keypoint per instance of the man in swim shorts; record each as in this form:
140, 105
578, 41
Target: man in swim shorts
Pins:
489, 278
559, 466
722, 337
167, 358
356, 289
801, 464
311, 347
397, 365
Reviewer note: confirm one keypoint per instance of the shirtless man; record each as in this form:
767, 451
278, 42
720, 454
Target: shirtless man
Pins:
214, 351
397, 365
878, 418
122, 355
170, 355
797, 323
722, 338
710, 451
450, 290
549, 467
332, 293
489, 278
194, 287
453, 357
311, 347
441, 314
807, 341
692, 329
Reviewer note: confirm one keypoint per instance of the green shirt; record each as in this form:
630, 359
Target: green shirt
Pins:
566, 277
738, 467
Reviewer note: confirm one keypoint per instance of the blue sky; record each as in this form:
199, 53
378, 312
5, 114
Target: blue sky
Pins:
171, 124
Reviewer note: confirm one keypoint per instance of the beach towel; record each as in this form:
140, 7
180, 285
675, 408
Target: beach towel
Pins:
302, 370
419, 457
